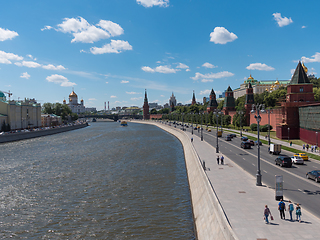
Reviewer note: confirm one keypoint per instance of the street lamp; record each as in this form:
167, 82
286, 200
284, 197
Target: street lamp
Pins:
259, 108
317, 139
192, 123
240, 113
201, 127
182, 122
288, 133
216, 111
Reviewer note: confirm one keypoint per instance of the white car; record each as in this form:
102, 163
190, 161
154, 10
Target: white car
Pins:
297, 160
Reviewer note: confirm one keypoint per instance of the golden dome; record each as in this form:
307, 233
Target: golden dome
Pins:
73, 94
277, 82
304, 68
251, 78
64, 101
81, 100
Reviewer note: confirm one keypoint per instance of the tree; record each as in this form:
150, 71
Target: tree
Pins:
153, 111
47, 108
220, 105
3, 127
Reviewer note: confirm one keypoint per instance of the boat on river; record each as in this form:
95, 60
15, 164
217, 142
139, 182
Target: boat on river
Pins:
123, 124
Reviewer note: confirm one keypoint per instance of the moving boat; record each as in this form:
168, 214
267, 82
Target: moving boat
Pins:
123, 123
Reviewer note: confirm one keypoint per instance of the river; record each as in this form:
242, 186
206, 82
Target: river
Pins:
100, 182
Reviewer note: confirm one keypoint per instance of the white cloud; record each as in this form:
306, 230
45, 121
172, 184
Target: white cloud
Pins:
31, 57
182, 66
260, 67
92, 99
58, 79
188, 70
113, 96
282, 21
25, 75
85, 32
136, 98
315, 58
6, 34
292, 71
107, 82
208, 65
207, 80
151, 3
205, 92
46, 28
52, 67
303, 27
6, 57
124, 81
212, 75
147, 69
116, 46
29, 64
132, 93
220, 35
161, 95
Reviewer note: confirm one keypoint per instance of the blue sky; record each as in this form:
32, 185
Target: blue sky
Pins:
112, 50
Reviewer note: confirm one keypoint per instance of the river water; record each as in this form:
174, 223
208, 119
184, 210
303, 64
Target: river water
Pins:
100, 182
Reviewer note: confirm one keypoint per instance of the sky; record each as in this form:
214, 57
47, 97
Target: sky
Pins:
112, 50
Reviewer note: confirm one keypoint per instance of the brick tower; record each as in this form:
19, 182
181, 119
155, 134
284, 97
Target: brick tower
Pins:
193, 99
229, 102
212, 102
146, 114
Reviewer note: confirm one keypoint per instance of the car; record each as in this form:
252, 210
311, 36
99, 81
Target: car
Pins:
315, 174
233, 135
229, 135
251, 142
256, 142
283, 161
244, 139
228, 138
245, 144
304, 156
195, 128
209, 130
297, 160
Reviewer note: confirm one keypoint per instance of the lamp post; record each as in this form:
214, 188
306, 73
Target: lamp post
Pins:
182, 122
192, 123
259, 108
240, 113
201, 126
269, 111
217, 114
317, 138
288, 134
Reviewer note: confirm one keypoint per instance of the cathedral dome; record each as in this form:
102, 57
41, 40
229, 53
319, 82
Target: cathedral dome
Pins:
73, 94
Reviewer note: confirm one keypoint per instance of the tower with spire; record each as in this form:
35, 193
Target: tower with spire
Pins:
146, 114
212, 102
193, 99
229, 102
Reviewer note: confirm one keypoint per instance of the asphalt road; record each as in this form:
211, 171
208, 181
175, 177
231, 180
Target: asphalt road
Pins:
297, 187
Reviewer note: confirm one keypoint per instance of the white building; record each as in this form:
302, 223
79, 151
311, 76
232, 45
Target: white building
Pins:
77, 107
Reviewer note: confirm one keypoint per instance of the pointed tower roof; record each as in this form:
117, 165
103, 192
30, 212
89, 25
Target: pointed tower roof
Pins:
145, 96
299, 76
193, 99
212, 92
229, 89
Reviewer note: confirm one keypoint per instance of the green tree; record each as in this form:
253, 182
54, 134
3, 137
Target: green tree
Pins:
316, 94
153, 111
220, 105
47, 108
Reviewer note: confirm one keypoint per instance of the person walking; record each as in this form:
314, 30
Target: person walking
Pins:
191, 139
290, 208
266, 214
218, 159
290, 143
282, 208
303, 147
298, 212
221, 159
307, 147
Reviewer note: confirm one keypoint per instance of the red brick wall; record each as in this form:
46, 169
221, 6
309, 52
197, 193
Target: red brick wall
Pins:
155, 116
275, 118
309, 136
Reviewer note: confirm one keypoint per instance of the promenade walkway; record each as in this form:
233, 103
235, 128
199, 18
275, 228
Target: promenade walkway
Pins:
243, 201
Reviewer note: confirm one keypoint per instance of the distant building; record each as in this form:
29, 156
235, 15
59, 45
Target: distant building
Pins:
153, 105
166, 105
193, 102
172, 101
146, 114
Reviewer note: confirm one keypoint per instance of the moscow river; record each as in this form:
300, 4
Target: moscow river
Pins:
100, 182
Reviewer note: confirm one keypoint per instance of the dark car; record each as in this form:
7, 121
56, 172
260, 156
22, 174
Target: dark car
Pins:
244, 139
315, 174
256, 142
195, 128
251, 142
233, 135
283, 161
228, 138
245, 144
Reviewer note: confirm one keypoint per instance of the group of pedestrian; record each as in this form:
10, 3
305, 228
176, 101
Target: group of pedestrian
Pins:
282, 208
312, 147
221, 160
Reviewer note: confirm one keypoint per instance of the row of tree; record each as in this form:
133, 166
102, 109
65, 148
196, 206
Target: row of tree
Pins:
59, 109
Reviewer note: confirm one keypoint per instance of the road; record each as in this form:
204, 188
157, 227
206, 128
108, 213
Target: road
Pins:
297, 187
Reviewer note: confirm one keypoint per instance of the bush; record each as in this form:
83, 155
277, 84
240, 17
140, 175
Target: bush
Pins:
264, 128
254, 127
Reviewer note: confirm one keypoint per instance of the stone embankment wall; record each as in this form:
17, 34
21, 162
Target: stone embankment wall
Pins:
209, 217
34, 134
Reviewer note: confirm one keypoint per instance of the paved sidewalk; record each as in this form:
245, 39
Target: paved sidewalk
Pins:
243, 202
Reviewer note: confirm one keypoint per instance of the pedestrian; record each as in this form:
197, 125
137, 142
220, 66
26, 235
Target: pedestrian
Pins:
266, 137
290, 143
290, 208
298, 212
282, 208
218, 159
303, 147
311, 148
307, 146
221, 159
191, 139
267, 213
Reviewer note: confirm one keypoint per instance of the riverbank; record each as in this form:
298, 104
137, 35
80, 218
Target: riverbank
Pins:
39, 133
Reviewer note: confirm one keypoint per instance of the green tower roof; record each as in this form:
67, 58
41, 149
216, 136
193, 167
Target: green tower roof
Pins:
299, 76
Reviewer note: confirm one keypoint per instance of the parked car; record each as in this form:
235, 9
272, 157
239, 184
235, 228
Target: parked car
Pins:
244, 139
245, 144
251, 142
297, 160
315, 174
228, 138
304, 156
256, 142
283, 161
